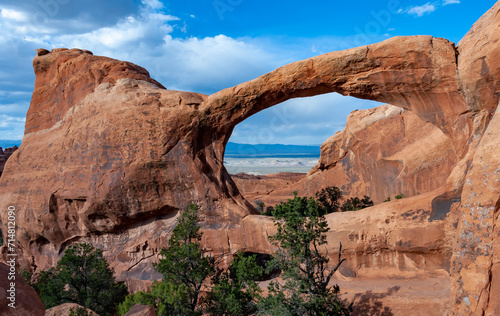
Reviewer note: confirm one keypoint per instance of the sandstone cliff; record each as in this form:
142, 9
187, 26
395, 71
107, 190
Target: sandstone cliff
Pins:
110, 156
382, 152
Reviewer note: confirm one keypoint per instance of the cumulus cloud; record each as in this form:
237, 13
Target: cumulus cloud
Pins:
198, 64
146, 38
146, 35
421, 10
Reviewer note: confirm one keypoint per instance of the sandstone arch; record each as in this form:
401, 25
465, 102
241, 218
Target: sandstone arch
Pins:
109, 155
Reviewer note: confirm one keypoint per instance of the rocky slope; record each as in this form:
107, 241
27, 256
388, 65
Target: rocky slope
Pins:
109, 156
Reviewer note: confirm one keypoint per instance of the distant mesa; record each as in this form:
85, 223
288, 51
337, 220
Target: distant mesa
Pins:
236, 150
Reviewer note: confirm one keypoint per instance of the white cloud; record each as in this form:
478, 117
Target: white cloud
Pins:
446, 2
11, 127
125, 33
197, 64
154, 4
10, 14
423, 9
147, 38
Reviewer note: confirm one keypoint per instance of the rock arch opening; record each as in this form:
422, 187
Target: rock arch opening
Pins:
279, 145
374, 152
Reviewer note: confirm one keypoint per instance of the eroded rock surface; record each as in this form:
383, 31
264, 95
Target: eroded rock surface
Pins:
382, 152
141, 310
110, 156
66, 308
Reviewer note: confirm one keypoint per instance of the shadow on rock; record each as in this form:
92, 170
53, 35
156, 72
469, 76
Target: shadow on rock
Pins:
370, 303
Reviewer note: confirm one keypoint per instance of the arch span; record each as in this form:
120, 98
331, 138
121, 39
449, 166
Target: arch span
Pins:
417, 73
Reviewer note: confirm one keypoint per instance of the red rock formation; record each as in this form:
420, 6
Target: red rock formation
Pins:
109, 156
382, 152
476, 270
4, 155
263, 187
141, 310
73, 74
27, 302
65, 309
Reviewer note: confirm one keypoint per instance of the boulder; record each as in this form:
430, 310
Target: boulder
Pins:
66, 308
27, 302
141, 310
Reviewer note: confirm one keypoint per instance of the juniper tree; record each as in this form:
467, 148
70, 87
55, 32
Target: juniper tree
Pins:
301, 231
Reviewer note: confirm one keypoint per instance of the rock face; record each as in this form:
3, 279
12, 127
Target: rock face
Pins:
27, 302
65, 309
267, 188
109, 156
382, 152
4, 155
141, 310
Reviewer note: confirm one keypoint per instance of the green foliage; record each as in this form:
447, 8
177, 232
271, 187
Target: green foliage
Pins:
185, 269
260, 206
167, 298
301, 231
142, 298
234, 291
82, 276
354, 204
399, 196
329, 199
183, 265
388, 199
269, 211
27, 275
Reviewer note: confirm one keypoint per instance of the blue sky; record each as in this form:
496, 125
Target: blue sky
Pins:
206, 46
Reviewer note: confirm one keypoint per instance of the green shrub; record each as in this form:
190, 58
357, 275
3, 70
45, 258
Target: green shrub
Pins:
79, 311
301, 231
355, 204
185, 269
234, 291
260, 206
82, 276
329, 199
